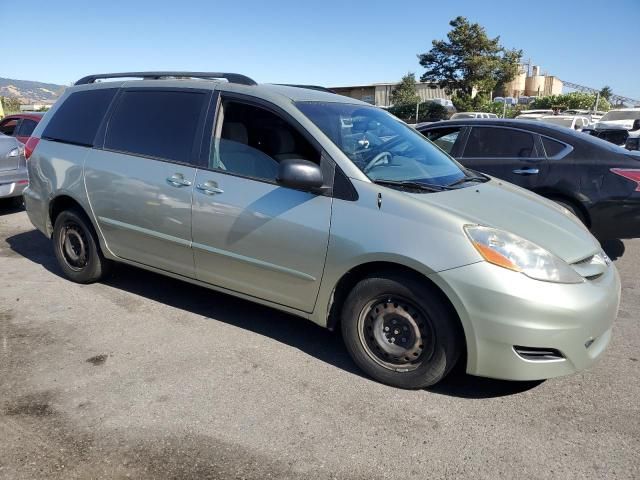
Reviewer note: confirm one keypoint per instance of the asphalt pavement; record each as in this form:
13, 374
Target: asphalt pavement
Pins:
143, 376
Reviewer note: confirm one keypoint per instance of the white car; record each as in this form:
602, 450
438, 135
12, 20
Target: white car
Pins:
534, 114
575, 122
594, 117
620, 118
459, 115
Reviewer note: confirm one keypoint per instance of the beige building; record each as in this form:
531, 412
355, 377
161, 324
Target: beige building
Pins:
379, 94
532, 85
528, 82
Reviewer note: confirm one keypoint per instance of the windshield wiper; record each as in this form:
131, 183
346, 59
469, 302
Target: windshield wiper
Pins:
411, 184
473, 178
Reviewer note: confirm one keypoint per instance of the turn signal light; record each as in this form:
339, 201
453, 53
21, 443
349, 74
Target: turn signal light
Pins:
30, 146
630, 174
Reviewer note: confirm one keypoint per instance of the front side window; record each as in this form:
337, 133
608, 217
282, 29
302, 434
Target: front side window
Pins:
251, 141
486, 142
380, 145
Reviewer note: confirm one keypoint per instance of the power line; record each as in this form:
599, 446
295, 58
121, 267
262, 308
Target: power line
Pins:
613, 97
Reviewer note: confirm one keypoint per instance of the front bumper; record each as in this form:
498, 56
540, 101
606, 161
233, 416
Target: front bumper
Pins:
500, 309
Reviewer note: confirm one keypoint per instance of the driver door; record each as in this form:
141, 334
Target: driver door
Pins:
251, 235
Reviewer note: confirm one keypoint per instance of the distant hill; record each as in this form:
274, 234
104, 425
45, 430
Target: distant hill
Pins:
28, 91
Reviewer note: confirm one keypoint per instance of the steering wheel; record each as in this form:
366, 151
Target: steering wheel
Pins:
379, 159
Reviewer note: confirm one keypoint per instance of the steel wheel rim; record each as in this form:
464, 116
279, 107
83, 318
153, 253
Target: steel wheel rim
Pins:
396, 333
73, 246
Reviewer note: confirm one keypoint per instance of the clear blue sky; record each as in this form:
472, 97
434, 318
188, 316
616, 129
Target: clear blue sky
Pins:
332, 43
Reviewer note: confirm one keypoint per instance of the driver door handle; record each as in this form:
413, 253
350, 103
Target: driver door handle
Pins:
526, 171
209, 188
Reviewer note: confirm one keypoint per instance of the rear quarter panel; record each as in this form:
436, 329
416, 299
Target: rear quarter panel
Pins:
55, 169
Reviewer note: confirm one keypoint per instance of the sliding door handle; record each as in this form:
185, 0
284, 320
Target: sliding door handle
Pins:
178, 180
209, 188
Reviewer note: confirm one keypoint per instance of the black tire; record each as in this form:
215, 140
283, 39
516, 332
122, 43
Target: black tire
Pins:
77, 248
429, 329
571, 207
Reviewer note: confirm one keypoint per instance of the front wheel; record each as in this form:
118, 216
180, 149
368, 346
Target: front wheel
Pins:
572, 209
77, 249
400, 332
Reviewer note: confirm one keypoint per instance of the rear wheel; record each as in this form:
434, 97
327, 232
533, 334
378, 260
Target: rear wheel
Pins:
400, 332
77, 249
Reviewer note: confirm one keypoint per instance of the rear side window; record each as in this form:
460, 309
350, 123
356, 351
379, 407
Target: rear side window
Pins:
551, 147
445, 138
8, 126
78, 118
487, 142
156, 123
26, 128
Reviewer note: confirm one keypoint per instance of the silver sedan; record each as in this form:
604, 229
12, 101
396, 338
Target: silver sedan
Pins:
13, 169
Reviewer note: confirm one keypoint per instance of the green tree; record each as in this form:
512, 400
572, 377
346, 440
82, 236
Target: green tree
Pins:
10, 104
573, 100
469, 60
427, 112
405, 92
606, 92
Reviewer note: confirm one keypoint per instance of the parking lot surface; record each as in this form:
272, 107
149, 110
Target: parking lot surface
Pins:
144, 376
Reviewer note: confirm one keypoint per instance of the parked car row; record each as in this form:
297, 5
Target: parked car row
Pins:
334, 210
620, 127
20, 125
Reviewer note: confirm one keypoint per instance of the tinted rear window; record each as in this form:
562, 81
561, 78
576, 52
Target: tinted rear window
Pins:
552, 147
485, 142
78, 118
156, 123
27, 126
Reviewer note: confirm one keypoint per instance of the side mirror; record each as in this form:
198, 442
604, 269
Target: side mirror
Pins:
636, 125
300, 174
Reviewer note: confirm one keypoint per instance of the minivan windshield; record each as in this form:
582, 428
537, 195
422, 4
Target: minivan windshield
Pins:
383, 147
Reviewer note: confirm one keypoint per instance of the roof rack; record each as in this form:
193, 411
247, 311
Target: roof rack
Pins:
309, 87
230, 77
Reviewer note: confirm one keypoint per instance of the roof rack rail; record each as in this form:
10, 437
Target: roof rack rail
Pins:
309, 87
230, 77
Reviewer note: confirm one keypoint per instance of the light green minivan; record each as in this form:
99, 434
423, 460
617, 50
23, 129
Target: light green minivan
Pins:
324, 207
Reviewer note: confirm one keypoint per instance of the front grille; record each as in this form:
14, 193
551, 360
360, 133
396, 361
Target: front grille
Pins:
584, 260
593, 266
538, 354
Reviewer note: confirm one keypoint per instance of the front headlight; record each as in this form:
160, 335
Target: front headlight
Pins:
633, 143
510, 251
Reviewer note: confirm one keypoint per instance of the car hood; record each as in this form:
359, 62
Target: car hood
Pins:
507, 207
615, 125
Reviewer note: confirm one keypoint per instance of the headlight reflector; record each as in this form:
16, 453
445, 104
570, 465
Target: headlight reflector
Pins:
512, 252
